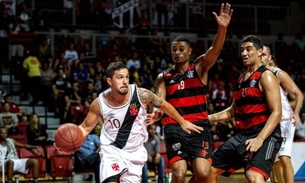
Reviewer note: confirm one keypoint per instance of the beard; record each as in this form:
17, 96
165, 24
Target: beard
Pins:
123, 91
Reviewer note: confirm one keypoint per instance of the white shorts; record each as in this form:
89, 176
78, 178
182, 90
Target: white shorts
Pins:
19, 165
128, 165
287, 130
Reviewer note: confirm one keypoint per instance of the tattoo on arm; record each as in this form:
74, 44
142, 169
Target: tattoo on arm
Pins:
149, 98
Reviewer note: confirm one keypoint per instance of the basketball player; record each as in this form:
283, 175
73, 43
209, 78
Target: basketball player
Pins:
11, 160
257, 110
282, 168
123, 108
184, 85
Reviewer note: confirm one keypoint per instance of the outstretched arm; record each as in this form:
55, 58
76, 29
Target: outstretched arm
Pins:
224, 115
149, 98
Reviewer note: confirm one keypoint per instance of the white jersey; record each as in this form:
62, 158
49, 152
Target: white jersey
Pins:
124, 127
286, 108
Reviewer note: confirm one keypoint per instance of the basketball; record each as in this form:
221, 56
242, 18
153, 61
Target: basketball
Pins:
68, 138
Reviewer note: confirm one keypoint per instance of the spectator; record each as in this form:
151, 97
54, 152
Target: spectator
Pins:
153, 155
72, 97
37, 133
47, 76
134, 61
9, 120
71, 54
88, 155
59, 85
11, 160
300, 128
31, 66
44, 49
17, 46
220, 90
14, 108
81, 75
219, 103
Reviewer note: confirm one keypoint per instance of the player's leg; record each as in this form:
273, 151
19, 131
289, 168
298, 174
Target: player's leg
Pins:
225, 160
179, 170
10, 170
215, 172
201, 170
254, 176
33, 163
287, 174
259, 164
277, 172
200, 149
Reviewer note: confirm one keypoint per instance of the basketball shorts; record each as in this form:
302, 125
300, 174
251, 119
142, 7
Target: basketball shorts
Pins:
180, 145
287, 131
122, 166
232, 155
19, 165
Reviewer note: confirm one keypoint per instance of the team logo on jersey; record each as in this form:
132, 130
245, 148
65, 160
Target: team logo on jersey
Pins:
176, 146
203, 153
115, 167
110, 115
190, 74
133, 109
252, 83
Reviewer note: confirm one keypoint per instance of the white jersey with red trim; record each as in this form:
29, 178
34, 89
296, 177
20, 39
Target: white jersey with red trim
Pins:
121, 133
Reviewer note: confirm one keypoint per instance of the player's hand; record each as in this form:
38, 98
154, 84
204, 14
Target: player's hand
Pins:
58, 151
224, 17
254, 144
152, 117
188, 127
296, 119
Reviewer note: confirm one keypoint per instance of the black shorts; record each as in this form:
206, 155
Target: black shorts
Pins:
232, 155
180, 145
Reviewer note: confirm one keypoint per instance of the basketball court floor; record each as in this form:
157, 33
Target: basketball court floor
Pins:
235, 178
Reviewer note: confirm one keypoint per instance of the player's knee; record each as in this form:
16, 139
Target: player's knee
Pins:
285, 161
254, 177
179, 174
10, 164
32, 162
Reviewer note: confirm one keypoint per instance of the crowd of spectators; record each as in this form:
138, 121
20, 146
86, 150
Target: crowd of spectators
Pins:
73, 77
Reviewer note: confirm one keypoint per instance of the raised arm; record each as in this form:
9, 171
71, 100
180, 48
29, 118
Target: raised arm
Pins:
207, 60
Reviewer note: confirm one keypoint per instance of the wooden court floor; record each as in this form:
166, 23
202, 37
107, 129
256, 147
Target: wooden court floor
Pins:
235, 178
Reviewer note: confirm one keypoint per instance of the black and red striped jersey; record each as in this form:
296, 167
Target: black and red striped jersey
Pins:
186, 93
251, 111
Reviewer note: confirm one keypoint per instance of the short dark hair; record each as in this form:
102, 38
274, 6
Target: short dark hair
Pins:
274, 59
113, 66
257, 41
182, 39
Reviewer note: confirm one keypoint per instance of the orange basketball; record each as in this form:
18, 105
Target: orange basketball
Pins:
68, 138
